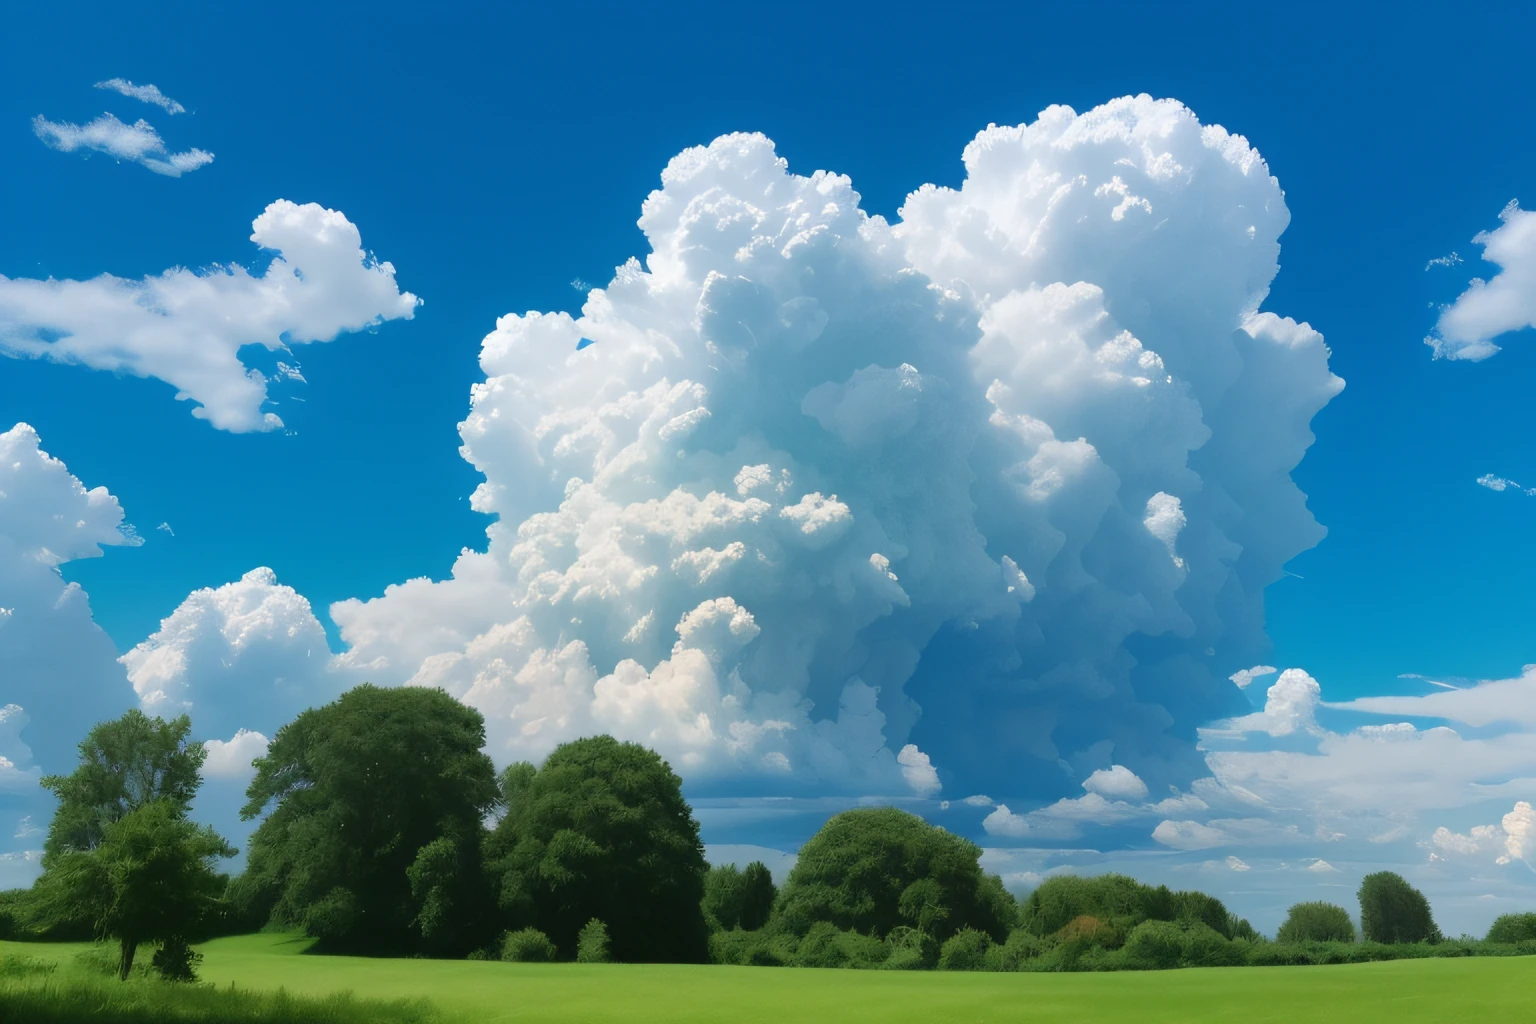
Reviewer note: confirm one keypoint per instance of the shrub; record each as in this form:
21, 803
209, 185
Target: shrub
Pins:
911, 949
1154, 946
1393, 911
1012, 955
1511, 928
592, 943
966, 950
1316, 922
1091, 930
1204, 946
825, 945
529, 946
176, 961
752, 949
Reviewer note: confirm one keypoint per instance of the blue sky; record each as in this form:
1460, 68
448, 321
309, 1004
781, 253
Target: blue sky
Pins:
496, 156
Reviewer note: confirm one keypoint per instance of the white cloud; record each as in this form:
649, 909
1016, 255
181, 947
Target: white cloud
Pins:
1236, 864
978, 800
1289, 707
1003, 822
832, 422
1322, 867
1488, 309
231, 759
1499, 483
1116, 782
17, 774
1189, 835
918, 770
1245, 677
187, 328
54, 660
137, 143
246, 655
142, 93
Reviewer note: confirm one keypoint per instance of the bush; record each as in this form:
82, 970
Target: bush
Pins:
1154, 946
1392, 911
529, 946
1091, 930
104, 958
1204, 946
825, 945
1510, 928
966, 950
910, 949
592, 943
1316, 922
176, 961
752, 949
1012, 955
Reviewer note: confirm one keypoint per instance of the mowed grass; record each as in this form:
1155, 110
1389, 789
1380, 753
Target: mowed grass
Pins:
1401, 992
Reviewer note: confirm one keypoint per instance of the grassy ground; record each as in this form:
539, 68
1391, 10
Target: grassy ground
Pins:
1402, 992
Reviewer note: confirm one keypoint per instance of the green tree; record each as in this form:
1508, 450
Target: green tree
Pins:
1511, 928
1393, 911
602, 830
125, 764
736, 898
150, 878
1122, 903
1316, 922
876, 869
373, 838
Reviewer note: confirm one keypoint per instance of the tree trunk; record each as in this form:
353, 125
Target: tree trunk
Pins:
125, 962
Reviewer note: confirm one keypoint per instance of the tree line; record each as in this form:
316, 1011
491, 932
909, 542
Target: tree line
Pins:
385, 830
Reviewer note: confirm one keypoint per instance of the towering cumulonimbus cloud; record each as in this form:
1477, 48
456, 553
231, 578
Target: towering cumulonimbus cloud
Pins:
986, 498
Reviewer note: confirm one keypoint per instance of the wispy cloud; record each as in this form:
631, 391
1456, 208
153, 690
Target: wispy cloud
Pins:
137, 143
143, 93
1449, 260
1499, 483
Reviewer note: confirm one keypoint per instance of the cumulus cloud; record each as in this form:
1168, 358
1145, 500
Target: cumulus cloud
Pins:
231, 759
55, 661
1290, 707
246, 655
143, 93
1116, 782
998, 487
187, 328
137, 143
1487, 309
1003, 822
17, 774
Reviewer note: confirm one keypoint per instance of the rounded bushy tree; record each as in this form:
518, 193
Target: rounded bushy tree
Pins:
875, 869
601, 830
1393, 911
1511, 928
1316, 922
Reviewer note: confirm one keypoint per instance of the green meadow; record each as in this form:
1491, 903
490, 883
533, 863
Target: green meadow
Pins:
1400, 992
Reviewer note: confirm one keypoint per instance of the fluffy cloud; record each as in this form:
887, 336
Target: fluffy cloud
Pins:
1116, 782
55, 661
245, 655
231, 759
142, 93
1290, 707
187, 328
990, 490
17, 774
137, 143
1487, 309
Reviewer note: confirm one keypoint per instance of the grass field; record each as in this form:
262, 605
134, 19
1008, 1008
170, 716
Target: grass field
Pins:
1401, 992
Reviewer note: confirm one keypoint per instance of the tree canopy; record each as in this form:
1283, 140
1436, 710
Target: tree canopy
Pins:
1391, 910
876, 869
125, 764
1316, 922
739, 898
1122, 903
601, 830
373, 838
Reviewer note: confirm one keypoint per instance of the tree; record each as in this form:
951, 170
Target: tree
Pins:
1122, 903
150, 878
373, 839
1393, 911
125, 764
876, 869
1316, 922
735, 898
1510, 928
601, 830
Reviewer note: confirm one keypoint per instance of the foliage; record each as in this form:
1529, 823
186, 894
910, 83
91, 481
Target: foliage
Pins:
125, 764
1513, 928
105, 961
966, 950
592, 943
372, 843
1159, 945
528, 946
1316, 922
602, 830
874, 869
150, 879
761, 948
1121, 903
176, 961
735, 898
26, 967
1393, 911
1014, 954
